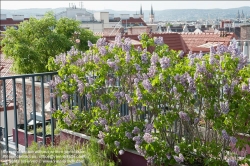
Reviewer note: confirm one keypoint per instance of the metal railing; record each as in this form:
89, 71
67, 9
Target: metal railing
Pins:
25, 109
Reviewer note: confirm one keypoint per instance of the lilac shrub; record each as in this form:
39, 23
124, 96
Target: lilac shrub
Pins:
168, 106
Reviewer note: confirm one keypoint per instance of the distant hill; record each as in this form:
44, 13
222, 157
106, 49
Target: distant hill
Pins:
163, 15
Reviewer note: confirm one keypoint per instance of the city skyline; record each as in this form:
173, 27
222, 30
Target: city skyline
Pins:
125, 5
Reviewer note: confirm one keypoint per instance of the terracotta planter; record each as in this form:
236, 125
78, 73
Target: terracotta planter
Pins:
30, 137
129, 158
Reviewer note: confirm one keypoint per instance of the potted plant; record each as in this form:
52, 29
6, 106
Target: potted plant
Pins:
168, 108
30, 134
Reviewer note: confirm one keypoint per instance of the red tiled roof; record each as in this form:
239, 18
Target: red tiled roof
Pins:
133, 20
7, 63
191, 40
10, 21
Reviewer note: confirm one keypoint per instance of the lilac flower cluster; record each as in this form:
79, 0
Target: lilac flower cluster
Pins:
150, 159
181, 54
117, 144
221, 49
147, 85
144, 57
148, 138
136, 130
154, 59
152, 70
102, 50
126, 46
121, 152
224, 106
139, 150
101, 42
225, 135
179, 159
128, 57
176, 149
112, 64
128, 98
232, 162
184, 116
159, 40
138, 93
137, 67
137, 140
128, 134
165, 62
148, 128
90, 44
61, 59
101, 135
65, 96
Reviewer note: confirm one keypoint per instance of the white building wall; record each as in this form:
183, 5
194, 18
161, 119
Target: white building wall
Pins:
17, 17
11, 125
95, 27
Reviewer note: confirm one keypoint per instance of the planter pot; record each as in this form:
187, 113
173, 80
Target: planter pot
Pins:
30, 137
129, 158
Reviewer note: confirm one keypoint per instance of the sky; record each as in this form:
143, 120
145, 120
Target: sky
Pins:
125, 5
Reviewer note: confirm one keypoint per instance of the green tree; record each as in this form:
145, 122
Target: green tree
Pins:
36, 40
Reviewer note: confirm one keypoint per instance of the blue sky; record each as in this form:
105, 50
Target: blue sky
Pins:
126, 5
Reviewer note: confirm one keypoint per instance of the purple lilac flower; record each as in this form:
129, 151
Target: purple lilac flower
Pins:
152, 70
181, 54
168, 156
121, 152
51, 84
165, 62
117, 144
136, 130
138, 93
128, 98
102, 50
176, 149
137, 67
148, 128
90, 44
148, 138
212, 50
101, 42
224, 134
144, 57
128, 57
106, 128
101, 141
226, 89
96, 58
224, 106
212, 59
137, 140
128, 134
101, 135
117, 95
126, 45
232, 162
112, 64
154, 59
111, 103
147, 85
179, 159
233, 140
65, 96
184, 116
159, 40
103, 122
88, 96
104, 107
191, 87
122, 94
244, 87
126, 118
118, 123
221, 49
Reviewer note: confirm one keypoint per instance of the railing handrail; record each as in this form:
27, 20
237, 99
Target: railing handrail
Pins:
29, 75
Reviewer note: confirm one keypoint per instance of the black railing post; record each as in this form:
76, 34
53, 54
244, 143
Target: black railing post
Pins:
5, 118
15, 114
52, 119
34, 107
25, 112
43, 112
